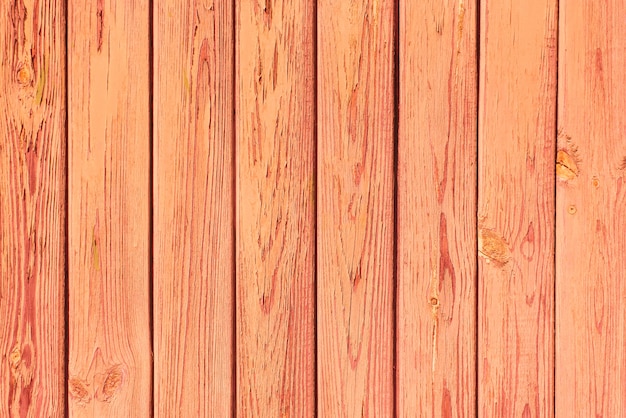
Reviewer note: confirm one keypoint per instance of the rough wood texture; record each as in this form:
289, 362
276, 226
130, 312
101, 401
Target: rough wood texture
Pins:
32, 208
516, 208
436, 313
109, 199
275, 208
193, 208
591, 208
355, 208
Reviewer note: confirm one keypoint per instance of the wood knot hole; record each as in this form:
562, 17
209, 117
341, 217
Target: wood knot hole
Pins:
493, 247
566, 167
24, 76
79, 390
112, 382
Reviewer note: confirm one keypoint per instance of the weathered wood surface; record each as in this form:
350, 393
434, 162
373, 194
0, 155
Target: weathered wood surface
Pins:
591, 210
265, 302
355, 238
193, 208
436, 236
516, 150
32, 208
109, 208
275, 208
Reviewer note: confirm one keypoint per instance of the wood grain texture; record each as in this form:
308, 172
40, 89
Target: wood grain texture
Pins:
516, 144
109, 207
193, 208
275, 208
32, 208
591, 208
355, 209
436, 241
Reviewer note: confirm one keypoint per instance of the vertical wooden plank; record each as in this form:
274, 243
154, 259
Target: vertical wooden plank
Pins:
355, 208
275, 208
193, 208
109, 189
591, 208
32, 208
436, 313
516, 208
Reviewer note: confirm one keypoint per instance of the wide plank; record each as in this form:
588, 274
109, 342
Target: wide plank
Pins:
275, 253
436, 210
109, 208
516, 150
355, 234
193, 208
591, 210
32, 208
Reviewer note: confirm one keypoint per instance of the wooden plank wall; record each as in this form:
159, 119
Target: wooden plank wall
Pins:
355, 280
193, 208
591, 210
33, 208
436, 232
516, 147
110, 358
275, 219
312, 208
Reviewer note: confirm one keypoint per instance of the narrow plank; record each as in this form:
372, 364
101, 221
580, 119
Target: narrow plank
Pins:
516, 147
193, 208
275, 110
109, 189
32, 208
355, 209
590, 210
436, 241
